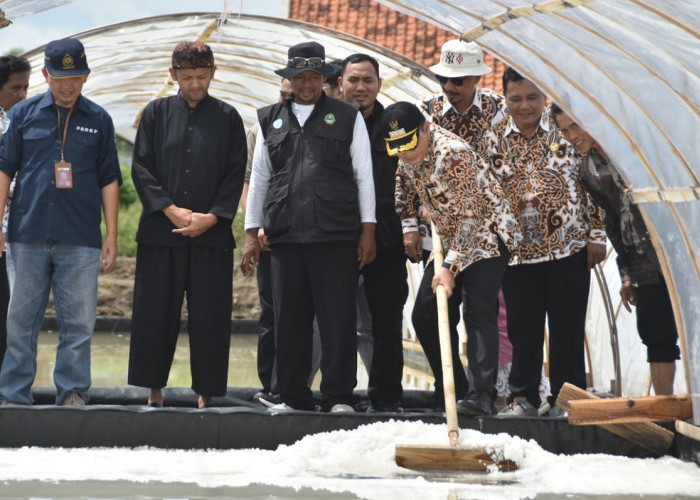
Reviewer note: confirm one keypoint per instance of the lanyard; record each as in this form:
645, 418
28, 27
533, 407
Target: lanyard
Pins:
65, 130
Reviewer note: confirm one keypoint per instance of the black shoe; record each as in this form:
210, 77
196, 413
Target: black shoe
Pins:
476, 405
362, 405
385, 407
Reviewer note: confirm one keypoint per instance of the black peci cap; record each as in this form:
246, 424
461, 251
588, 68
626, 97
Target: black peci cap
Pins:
400, 124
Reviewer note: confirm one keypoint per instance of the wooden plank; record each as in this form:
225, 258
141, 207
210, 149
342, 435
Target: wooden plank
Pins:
629, 410
689, 430
446, 457
645, 434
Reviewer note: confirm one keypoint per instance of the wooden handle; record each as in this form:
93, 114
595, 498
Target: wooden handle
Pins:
448, 379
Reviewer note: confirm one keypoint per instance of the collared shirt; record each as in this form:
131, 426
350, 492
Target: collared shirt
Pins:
624, 225
193, 158
487, 109
361, 163
4, 124
541, 178
29, 150
465, 201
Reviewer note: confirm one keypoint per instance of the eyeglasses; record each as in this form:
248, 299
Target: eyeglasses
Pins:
302, 62
457, 82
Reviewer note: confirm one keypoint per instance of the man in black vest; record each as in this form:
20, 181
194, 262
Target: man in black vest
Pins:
311, 189
385, 286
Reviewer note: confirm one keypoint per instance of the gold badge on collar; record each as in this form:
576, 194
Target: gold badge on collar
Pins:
329, 119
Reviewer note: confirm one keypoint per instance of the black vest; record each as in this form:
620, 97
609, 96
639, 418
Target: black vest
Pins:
312, 196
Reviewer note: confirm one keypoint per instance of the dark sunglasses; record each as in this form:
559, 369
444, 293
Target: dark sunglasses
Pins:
302, 62
457, 82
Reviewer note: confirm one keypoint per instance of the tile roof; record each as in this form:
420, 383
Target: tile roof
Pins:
379, 24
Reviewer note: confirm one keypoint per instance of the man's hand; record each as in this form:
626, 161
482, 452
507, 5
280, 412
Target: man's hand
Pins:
180, 217
596, 254
445, 278
366, 246
2, 243
109, 254
251, 252
199, 224
413, 244
262, 239
628, 295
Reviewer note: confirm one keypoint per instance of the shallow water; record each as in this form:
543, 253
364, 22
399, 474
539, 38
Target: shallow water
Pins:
110, 362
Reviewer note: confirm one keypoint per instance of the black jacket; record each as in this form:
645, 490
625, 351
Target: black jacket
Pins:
191, 157
388, 233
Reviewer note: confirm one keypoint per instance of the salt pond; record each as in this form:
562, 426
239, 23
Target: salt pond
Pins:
339, 464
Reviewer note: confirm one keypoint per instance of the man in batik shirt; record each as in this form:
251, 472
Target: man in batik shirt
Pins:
441, 172
467, 111
538, 174
643, 284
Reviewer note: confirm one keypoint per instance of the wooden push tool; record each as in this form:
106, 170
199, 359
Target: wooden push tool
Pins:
451, 456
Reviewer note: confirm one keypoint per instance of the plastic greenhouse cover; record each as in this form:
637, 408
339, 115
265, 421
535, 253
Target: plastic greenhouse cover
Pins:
129, 62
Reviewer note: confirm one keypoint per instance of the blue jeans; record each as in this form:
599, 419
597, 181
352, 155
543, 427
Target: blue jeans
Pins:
71, 272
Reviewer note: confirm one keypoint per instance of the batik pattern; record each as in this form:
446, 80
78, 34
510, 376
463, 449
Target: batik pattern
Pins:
541, 179
464, 200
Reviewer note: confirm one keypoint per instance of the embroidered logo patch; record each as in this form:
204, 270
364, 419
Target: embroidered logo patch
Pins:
277, 123
329, 119
68, 62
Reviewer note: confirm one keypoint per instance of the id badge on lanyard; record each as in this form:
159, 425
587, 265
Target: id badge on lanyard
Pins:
64, 174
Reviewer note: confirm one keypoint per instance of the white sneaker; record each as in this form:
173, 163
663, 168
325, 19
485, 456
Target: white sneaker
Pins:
282, 407
520, 407
342, 408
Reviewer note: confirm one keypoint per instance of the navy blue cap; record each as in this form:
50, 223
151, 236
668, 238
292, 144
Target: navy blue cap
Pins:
65, 58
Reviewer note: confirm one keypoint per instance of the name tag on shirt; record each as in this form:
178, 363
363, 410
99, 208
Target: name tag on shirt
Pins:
64, 174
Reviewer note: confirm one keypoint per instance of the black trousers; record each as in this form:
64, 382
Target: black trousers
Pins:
477, 287
4, 301
163, 276
425, 322
558, 291
266, 323
656, 323
315, 279
386, 290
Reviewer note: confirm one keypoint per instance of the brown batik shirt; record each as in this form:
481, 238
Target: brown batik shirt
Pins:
465, 201
540, 177
487, 109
